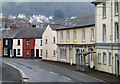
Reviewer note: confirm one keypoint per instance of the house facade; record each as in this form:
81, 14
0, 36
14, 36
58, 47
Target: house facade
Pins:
107, 36
49, 40
79, 37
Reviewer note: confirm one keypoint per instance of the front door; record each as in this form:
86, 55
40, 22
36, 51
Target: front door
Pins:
14, 52
32, 53
37, 53
91, 59
116, 65
70, 56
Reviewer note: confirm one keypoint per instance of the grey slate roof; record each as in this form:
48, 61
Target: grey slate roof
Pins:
11, 33
30, 33
78, 22
54, 26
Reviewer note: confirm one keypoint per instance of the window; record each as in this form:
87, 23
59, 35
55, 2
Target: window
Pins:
110, 59
104, 58
104, 32
40, 42
116, 7
53, 40
41, 52
18, 52
83, 34
54, 53
27, 51
18, 42
61, 36
104, 10
116, 31
74, 35
5, 51
92, 34
63, 55
27, 42
45, 40
6, 42
46, 53
99, 58
67, 35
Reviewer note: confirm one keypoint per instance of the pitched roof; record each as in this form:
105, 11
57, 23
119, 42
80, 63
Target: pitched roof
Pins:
54, 26
98, 1
30, 33
78, 22
11, 33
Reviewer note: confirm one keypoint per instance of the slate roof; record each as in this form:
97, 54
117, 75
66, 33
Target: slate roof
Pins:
54, 26
30, 33
78, 22
98, 1
11, 33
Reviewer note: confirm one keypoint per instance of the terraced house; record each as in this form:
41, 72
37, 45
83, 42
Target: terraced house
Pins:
78, 36
107, 40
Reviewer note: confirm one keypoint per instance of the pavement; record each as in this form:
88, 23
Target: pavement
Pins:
41, 71
109, 78
10, 75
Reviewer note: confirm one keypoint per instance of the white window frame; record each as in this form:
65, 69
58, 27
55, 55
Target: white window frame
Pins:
27, 51
116, 31
104, 58
54, 53
5, 51
104, 32
61, 36
67, 36
83, 35
92, 34
104, 10
116, 4
110, 59
6, 42
74, 35
27, 42
46, 53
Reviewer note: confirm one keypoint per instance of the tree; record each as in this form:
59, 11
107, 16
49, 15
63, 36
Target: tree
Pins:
58, 14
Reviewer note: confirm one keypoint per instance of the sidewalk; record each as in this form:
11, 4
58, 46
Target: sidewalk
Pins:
10, 75
93, 73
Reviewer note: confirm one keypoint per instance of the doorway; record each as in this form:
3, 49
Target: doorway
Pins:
14, 52
116, 65
70, 56
37, 53
32, 53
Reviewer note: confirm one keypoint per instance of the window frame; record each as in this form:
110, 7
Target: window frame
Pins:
54, 40
54, 53
116, 33
6, 42
104, 58
110, 59
41, 52
18, 51
116, 8
74, 35
27, 42
83, 32
27, 53
18, 43
61, 36
104, 33
6, 51
92, 36
46, 53
104, 11
67, 35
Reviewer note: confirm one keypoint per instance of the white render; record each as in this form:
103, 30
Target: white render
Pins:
38, 46
49, 34
16, 46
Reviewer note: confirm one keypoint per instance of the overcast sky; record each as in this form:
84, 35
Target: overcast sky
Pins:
46, 0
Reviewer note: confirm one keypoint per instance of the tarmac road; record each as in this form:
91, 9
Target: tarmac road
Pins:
40, 72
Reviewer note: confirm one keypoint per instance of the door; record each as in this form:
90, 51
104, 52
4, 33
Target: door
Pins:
14, 52
10, 53
70, 56
37, 53
91, 59
116, 65
32, 53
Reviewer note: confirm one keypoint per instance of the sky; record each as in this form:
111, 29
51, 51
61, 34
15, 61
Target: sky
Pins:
46, 0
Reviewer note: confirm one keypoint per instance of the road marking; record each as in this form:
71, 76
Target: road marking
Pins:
53, 73
66, 77
24, 77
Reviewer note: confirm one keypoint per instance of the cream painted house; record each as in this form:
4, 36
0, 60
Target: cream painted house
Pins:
49, 41
78, 36
107, 40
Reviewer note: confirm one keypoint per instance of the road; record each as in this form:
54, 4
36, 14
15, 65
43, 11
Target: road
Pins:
41, 72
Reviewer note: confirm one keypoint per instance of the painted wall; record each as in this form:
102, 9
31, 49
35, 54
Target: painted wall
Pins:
49, 34
16, 46
30, 46
38, 46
